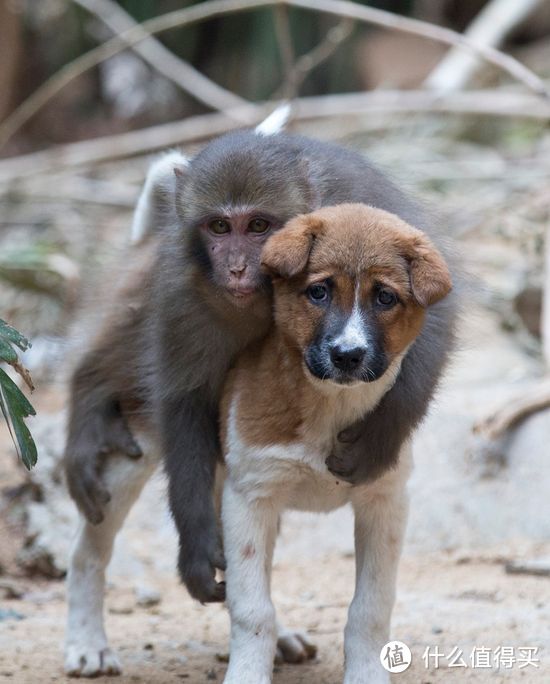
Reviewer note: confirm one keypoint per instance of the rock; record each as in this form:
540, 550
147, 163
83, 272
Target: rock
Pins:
535, 566
528, 306
147, 596
122, 608
10, 614
52, 517
10, 590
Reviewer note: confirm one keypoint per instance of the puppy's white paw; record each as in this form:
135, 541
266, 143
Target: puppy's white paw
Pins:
87, 661
294, 647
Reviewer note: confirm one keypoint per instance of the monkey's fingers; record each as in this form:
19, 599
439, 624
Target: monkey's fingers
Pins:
199, 578
339, 468
218, 560
351, 434
88, 492
120, 439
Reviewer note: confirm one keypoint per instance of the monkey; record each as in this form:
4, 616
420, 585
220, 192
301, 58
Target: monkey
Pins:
202, 299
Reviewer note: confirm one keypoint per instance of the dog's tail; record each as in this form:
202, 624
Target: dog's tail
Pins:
157, 190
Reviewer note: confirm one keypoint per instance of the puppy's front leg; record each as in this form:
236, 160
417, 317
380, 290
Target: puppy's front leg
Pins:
250, 528
380, 520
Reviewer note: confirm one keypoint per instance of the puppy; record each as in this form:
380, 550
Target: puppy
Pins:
351, 288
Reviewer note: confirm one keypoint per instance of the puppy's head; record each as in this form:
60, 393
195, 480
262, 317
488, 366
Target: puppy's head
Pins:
352, 284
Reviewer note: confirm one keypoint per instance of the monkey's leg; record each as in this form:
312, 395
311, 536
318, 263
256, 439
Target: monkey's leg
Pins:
96, 429
87, 652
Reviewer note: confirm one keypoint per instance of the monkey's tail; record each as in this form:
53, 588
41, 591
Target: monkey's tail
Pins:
159, 183
276, 121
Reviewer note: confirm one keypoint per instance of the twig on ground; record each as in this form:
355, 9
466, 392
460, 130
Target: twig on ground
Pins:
496, 425
164, 61
214, 8
545, 319
197, 128
490, 27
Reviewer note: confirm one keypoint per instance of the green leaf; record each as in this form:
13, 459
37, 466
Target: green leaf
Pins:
15, 408
7, 352
9, 334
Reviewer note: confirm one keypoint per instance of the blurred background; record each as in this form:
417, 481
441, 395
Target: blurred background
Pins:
469, 136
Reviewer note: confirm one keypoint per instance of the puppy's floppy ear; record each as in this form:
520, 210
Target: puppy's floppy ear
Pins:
429, 273
286, 253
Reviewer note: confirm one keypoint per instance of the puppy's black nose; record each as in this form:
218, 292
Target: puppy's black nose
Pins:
346, 359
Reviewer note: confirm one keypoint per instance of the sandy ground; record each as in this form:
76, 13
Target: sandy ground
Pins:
444, 600
453, 597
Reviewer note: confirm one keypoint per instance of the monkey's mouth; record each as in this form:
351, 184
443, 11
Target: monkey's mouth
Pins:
241, 293
241, 290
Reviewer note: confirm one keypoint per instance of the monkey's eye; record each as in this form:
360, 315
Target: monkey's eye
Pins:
386, 298
258, 226
219, 226
318, 293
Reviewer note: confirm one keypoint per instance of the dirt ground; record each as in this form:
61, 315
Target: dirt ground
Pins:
444, 600
460, 598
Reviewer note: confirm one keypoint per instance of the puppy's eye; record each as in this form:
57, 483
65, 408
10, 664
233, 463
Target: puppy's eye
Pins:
318, 293
258, 226
219, 227
386, 298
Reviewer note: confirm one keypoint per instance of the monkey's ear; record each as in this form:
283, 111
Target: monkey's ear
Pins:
429, 273
181, 171
286, 253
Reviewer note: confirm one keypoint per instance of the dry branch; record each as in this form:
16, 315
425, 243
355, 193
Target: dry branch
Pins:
545, 319
370, 15
164, 61
311, 60
215, 8
194, 129
286, 49
490, 27
496, 425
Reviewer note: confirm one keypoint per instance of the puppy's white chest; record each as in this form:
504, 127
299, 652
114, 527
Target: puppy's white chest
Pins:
294, 474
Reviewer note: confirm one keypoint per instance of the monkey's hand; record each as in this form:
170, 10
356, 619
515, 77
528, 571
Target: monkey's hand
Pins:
91, 439
347, 453
368, 448
197, 563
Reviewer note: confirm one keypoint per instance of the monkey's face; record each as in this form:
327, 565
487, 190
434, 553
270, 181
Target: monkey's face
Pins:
233, 242
351, 287
235, 193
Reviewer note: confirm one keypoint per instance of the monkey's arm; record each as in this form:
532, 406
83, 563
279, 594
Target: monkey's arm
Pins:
96, 428
368, 448
189, 429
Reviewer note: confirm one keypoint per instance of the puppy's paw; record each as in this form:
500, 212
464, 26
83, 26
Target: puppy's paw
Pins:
87, 661
294, 647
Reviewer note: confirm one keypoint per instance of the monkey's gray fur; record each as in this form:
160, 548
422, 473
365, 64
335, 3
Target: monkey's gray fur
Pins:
166, 359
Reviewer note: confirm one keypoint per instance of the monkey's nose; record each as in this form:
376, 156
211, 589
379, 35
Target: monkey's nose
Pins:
237, 270
346, 359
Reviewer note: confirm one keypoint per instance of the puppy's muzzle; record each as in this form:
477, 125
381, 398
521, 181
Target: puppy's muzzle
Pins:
347, 359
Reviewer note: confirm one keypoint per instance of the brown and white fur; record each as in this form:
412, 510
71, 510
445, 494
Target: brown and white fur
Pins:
327, 361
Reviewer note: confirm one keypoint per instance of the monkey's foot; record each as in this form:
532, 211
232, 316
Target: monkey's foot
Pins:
82, 660
294, 647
